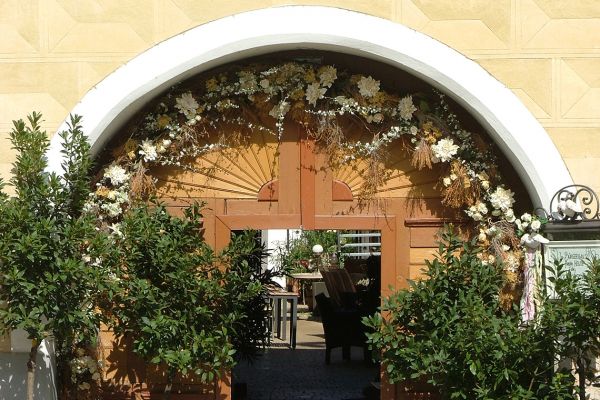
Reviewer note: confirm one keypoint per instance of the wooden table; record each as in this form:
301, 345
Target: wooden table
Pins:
308, 277
279, 303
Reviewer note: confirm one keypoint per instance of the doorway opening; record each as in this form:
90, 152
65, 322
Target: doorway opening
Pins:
318, 343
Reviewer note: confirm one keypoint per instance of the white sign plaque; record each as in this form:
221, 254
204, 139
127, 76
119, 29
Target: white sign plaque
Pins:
574, 254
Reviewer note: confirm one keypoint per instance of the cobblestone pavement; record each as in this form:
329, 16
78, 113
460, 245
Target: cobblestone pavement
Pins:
286, 374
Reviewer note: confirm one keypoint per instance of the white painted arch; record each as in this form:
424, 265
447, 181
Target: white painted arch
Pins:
517, 133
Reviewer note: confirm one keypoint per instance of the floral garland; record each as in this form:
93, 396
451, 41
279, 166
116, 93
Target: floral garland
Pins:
257, 98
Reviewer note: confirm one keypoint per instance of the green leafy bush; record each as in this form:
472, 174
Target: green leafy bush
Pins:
245, 283
450, 330
50, 269
170, 300
571, 317
184, 307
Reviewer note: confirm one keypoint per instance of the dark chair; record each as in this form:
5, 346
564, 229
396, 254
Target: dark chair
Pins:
340, 288
343, 328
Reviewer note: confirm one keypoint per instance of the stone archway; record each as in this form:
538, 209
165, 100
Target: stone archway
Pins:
517, 133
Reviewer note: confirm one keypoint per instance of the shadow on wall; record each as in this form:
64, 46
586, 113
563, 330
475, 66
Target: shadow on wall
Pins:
13, 376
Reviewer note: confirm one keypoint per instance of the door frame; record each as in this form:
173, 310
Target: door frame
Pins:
224, 224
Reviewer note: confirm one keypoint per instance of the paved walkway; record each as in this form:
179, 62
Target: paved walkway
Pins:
286, 374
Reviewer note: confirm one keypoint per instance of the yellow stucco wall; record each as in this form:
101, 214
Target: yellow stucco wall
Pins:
547, 51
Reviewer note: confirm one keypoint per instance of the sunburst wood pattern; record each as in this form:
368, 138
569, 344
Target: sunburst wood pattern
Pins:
238, 172
401, 178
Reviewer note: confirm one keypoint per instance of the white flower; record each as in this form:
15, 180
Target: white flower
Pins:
115, 229
368, 86
116, 174
509, 215
406, 108
519, 224
474, 213
118, 196
314, 92
447, 181
536, 225
482, 236
444, 150
502, 199
526, 217
327, 75
148, 150
187, 105
280, 109
414, 130
112, 209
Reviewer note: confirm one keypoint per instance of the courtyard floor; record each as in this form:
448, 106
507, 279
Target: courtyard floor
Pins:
286, 374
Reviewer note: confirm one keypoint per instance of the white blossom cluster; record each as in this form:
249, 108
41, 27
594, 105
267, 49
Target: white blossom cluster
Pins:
85, 369
444, 150
111, 196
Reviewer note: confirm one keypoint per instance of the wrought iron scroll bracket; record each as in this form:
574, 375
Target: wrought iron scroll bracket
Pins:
573, 203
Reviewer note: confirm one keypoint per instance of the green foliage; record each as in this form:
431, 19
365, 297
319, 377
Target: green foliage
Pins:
50, 254
245, 282
300, 249
184, 307
450, 330
571, 316
170, 300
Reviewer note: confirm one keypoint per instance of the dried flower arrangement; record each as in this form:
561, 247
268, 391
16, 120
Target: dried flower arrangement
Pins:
188, 122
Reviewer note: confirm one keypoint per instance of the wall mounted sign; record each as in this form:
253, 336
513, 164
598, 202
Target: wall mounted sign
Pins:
574, 254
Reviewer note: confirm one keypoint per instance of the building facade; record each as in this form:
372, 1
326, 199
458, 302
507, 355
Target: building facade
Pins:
54, 52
